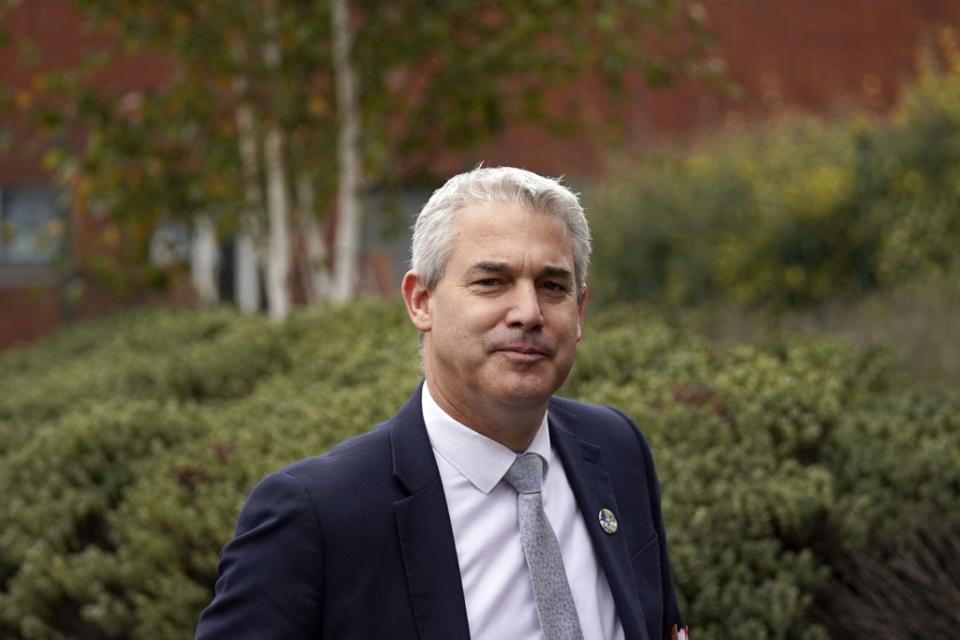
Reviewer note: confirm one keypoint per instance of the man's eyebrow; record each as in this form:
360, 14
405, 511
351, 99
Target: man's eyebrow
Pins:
557, 272
548, 271
489, 267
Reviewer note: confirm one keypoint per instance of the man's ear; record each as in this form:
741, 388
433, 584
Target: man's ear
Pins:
417, 298
581, 308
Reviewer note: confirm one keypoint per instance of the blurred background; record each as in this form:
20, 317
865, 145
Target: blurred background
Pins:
204, 218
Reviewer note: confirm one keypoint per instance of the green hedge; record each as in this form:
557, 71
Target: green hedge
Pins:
134, 441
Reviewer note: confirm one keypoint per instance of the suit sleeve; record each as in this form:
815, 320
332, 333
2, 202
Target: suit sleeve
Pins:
671, 608
269, 583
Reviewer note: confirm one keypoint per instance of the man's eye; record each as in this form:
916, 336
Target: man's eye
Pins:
554, 286
488, 282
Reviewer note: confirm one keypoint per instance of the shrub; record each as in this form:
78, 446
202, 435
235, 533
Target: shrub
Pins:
60, 489
738, 435
896, 461
775, 461
910, 592
792, 214
770, 217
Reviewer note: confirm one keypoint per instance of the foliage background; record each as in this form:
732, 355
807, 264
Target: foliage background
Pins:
792, 465
849, 226
795, 213
130, 444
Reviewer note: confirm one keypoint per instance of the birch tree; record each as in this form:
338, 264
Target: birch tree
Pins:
261, 92
246, 252
348, 156
278, 200
203, 262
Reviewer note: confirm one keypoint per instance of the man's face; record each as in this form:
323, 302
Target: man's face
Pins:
502, 325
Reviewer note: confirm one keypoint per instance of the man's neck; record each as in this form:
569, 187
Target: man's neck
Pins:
512, 426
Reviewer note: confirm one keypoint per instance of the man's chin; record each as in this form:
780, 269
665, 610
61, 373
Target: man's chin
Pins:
523, 389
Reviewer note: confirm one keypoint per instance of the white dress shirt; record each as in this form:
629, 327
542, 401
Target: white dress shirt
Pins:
483, 512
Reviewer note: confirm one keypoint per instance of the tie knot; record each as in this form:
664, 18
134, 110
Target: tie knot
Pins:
526, 473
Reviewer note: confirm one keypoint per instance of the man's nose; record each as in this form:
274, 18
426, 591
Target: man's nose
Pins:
525, 311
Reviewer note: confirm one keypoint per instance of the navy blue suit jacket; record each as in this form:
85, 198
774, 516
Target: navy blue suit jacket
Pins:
357, 543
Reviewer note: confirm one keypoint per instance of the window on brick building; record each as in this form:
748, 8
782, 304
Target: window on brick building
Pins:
31, 225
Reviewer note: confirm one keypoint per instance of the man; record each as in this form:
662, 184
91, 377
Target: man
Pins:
485, 508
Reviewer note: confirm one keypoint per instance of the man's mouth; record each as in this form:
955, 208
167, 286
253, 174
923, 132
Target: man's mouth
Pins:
523, 352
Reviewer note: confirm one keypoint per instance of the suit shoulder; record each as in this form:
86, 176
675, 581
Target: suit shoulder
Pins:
602, 419
353, 460
589, 411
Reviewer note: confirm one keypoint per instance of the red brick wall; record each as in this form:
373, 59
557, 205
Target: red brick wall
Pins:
33, 310
26, 314
811, 55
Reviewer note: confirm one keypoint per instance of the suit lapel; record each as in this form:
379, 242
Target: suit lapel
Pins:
592, 488
424, 531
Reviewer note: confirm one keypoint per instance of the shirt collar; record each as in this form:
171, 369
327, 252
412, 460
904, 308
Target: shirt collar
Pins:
481, 460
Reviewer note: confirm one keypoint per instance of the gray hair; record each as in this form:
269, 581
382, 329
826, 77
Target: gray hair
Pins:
433, 232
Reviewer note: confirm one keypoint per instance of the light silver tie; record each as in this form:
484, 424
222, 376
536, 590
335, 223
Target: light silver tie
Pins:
558, 615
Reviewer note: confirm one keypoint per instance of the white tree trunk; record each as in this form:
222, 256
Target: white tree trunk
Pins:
246, 283
314, 257
278, 207
204, 261
278, 255
347, 242
246, 254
